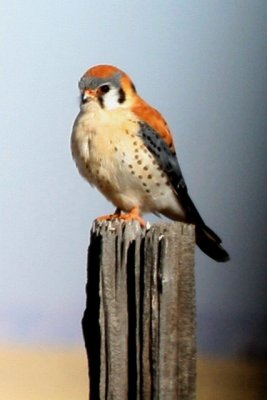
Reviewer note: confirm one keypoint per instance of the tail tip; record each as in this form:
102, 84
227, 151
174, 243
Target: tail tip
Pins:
209, 243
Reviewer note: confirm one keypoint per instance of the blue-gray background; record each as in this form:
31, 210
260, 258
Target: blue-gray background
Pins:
203, 65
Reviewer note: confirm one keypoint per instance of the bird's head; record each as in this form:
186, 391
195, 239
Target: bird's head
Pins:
107, 85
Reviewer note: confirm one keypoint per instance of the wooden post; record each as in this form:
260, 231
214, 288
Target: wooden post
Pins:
139, 323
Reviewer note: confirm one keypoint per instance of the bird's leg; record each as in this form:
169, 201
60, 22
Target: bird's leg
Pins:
133, 215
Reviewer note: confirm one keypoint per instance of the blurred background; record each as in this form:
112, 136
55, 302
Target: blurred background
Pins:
203, 64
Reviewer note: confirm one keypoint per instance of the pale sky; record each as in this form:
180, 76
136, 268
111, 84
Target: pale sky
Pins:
203, 65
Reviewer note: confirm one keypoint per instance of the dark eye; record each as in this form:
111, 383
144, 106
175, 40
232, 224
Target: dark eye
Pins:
104, 88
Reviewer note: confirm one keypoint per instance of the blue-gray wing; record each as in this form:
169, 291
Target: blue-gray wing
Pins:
206, 238
168, 161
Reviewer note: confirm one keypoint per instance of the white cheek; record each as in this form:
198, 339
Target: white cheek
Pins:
111, 100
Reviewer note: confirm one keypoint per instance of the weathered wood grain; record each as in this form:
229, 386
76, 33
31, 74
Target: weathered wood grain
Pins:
139, 322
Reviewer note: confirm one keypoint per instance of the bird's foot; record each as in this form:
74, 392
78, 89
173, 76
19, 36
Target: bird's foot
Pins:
133, 215
110, 217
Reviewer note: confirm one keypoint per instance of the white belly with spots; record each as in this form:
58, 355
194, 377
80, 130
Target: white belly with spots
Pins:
111, 156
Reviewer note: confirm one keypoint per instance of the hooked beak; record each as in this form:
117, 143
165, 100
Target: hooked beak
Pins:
87, 95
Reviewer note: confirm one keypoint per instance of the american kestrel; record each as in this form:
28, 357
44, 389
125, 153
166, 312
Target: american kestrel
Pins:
125, 148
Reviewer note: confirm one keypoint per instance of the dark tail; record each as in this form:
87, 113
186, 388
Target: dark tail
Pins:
210, 243
206, 239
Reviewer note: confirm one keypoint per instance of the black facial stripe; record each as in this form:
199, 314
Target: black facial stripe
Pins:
122, 96
101, 101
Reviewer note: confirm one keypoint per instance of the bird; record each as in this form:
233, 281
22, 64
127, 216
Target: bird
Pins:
124, 147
